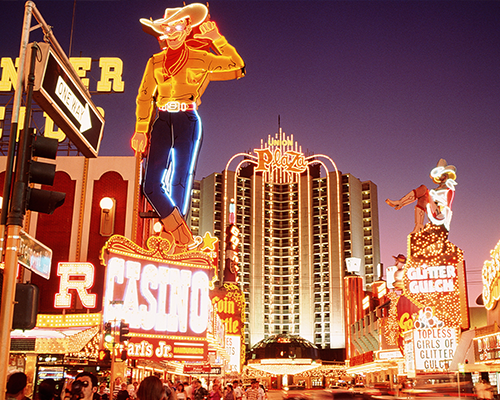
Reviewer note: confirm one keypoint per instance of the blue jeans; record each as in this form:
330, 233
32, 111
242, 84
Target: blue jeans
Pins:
171, 164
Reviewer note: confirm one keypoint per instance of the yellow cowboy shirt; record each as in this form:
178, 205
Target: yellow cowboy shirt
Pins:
189, 83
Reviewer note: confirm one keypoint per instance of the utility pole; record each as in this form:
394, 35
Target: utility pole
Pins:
15, 217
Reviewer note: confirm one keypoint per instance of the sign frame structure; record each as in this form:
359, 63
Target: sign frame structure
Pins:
127, 292
38, 265
60, 94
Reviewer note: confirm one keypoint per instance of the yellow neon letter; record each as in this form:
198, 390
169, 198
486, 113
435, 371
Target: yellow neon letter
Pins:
82, 65
265, 158
9, 74
2, 119
111, 69
49, 129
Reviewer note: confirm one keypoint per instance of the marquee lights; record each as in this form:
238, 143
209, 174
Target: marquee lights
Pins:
77, 276
164, 298
491, 279
433, 279
433, 274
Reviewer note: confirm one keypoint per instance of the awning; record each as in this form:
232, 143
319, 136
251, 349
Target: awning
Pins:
283, 366
464, 351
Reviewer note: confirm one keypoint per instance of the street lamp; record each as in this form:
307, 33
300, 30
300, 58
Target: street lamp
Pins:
108, 206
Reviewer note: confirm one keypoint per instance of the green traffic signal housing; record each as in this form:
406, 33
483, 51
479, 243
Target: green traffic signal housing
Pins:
40, 200
124, 330
108, 334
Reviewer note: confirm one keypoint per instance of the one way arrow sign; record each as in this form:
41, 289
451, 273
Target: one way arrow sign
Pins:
59, 92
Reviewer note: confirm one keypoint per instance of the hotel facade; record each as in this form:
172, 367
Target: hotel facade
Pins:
299, 219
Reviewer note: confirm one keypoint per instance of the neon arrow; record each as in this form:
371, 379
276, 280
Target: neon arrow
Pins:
74, 106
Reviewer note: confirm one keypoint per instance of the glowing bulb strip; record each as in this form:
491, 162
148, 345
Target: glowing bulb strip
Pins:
68, 271
491, 279
68, 320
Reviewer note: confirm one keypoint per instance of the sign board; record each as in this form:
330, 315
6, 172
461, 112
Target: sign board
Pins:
163, 297
60, 93
34, 255
202, 368
233, 349
430, 349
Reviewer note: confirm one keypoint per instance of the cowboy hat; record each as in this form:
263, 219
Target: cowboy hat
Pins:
442, 168
196, 12
400, 258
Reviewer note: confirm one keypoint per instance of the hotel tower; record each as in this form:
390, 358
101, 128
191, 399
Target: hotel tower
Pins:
299, 219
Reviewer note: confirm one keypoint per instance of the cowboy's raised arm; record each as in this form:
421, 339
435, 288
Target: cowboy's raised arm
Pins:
229, 65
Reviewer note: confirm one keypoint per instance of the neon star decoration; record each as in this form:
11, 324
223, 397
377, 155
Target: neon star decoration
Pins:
209, 242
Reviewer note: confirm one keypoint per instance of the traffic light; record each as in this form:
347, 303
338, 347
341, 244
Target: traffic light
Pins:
108, 334
40, 200
26, 307
124, 330
104, 355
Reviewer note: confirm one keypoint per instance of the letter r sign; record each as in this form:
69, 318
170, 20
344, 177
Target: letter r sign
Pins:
77, 276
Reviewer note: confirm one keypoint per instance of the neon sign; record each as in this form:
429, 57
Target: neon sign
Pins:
110, 79
491, 279
434, 276
163, 297
434, 345
76, 276
431, 279
157, 297
229, 304
289, 161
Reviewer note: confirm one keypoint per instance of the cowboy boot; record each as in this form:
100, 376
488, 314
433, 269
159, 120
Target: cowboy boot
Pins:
405, 200
175, 224
419, 220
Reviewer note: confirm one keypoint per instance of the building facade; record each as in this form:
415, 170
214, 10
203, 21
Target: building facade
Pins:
299, 219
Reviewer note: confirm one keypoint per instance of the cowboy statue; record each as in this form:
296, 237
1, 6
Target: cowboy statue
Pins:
435, 202
193, 54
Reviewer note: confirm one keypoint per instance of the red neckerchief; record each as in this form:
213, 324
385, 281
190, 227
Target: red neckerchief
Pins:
174, 60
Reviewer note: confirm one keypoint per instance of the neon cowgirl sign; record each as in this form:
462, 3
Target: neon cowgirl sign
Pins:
164, 298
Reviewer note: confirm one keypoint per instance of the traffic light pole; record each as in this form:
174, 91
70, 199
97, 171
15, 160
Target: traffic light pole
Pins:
15, 221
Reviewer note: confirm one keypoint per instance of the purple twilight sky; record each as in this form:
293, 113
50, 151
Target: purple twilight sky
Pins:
385, 88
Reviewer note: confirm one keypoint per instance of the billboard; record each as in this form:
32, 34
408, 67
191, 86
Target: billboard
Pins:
163, 297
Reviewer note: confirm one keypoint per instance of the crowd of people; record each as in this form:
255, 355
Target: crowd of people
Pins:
85, 386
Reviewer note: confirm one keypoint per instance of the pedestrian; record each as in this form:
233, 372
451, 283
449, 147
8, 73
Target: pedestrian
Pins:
16, 386
47, 390
238, 391
151, 388
189, 390
181, 393
83, 387
117, 387
103, 391
199, 392
123, 394
483, 390
229, 393
216, 392
253, 392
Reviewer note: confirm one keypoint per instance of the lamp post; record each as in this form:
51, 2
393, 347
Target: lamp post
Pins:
113, 355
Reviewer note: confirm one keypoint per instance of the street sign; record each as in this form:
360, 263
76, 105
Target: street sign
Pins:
202, 368
60, 93
34, 255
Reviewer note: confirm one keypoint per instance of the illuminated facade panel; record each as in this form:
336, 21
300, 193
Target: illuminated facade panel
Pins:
292, 243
